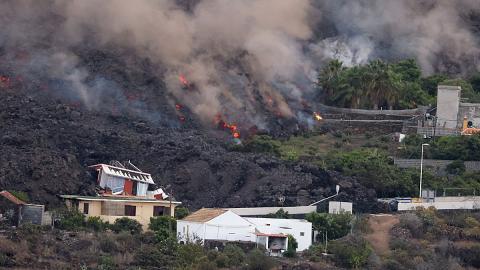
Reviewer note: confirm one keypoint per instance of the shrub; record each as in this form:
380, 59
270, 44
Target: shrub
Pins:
279, 214
205, 264
257, 260
189, 254
181, 212
263, 144
96, 224
163, 223
71, 220
107, 245
336, 225
235, 255
457, 167
352, 251
413, 223
127, 224
106, 263
292, 247
151, 256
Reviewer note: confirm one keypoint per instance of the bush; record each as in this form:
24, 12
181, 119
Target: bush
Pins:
292, 247
107, 245
96, 224
352, 251
263, 144
71, 220
181, 212
189, 254
151, 256
457, 167
128, 225
413, 223
257, 260
106, 263
163, 223
336, 225
205, 264
235, 255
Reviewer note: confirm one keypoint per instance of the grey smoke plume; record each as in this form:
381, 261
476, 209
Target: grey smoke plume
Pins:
246, 55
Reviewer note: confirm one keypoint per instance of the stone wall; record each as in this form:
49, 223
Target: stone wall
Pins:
435, 165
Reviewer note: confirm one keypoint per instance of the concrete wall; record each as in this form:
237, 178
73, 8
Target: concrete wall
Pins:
262, 211
438, 166
335, 207
444, 203
448, 101
188, 231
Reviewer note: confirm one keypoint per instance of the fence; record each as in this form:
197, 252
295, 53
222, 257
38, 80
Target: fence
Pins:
436, 164
418, 111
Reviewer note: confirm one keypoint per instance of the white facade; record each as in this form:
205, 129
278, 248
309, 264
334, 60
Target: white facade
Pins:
229, 226
300, 229
335, 207
448, 100
443, 203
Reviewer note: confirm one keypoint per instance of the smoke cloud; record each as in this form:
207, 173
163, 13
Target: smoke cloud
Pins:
243, 57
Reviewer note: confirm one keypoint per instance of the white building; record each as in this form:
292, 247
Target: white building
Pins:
300, 229
335, 207
224, 225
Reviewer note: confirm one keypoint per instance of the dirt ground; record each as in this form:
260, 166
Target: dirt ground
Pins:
381, 225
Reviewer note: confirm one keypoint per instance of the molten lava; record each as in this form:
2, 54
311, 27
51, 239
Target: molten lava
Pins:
317, 116
183, 80
221, 124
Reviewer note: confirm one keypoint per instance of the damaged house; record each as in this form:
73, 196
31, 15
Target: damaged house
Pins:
124, 192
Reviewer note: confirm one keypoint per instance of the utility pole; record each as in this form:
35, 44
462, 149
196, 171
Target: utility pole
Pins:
421, 170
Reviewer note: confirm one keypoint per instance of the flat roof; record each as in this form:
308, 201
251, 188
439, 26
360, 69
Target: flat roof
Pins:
116, 198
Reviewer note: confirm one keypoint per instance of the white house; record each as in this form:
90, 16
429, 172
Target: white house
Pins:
225, 225
300, 229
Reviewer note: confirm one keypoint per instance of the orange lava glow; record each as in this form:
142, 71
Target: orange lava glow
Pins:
183, 80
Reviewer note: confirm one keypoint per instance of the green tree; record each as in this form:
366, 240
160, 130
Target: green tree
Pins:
181, 212
336, 225
163, 222
127, 225
291, 247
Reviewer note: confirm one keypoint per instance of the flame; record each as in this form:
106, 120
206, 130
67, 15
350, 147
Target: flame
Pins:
183, 80
317, 116
218, 120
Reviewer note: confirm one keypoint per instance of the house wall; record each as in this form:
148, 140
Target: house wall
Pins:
226, 227
144, 211
448, 101
190, 231
301, 230
231, 227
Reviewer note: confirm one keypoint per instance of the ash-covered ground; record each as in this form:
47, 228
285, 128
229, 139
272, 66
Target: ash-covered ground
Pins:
47, 141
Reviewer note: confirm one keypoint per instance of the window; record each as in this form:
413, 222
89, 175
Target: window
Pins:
158, 211
130, 210
85, 208
302, 234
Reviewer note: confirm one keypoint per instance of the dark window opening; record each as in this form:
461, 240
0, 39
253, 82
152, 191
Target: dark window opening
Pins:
134, 188
130, 210
85, 208
158, 211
